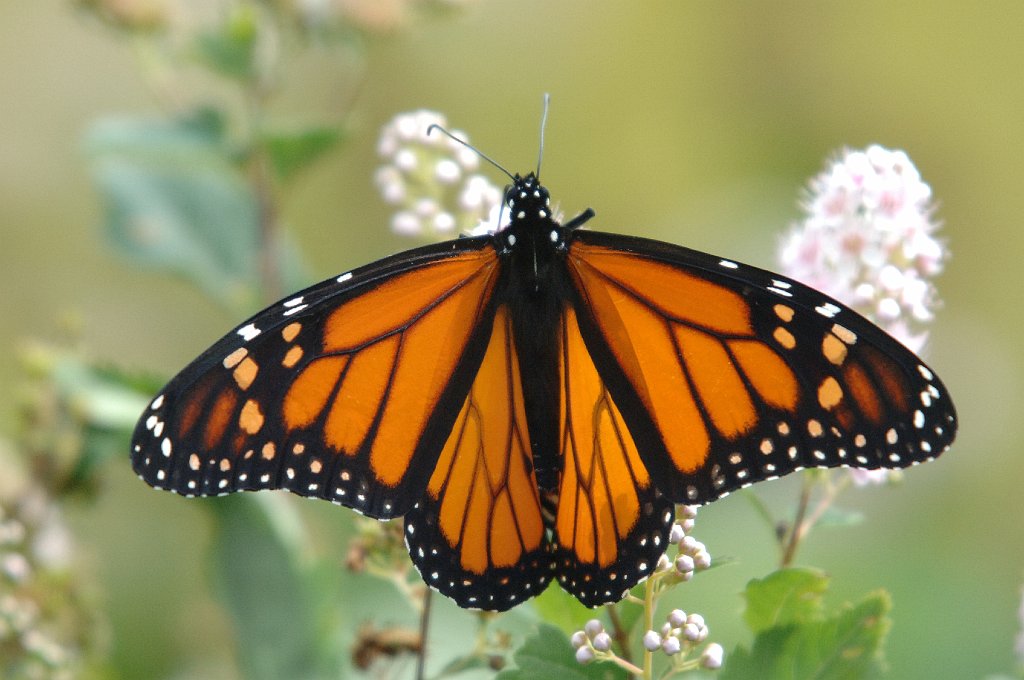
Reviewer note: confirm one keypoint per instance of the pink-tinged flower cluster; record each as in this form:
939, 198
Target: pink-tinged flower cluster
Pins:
426, 175
868, 240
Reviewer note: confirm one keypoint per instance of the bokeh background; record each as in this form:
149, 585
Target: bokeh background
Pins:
694, 122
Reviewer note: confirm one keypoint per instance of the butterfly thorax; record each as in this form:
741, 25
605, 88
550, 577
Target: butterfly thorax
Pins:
533, 241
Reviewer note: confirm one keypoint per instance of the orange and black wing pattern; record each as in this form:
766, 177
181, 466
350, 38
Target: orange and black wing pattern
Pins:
478, 534
612, 522
726, 374
534, 402
346, 391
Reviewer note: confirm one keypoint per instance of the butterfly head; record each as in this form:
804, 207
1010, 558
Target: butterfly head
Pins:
526, 199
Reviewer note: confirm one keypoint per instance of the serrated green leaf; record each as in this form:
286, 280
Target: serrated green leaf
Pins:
292, 151
845, 645
230, 49
784, 597
257, 573
548, 654
848, 645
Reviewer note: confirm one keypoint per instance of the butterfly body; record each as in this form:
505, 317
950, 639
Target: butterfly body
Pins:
535, 291
534, 401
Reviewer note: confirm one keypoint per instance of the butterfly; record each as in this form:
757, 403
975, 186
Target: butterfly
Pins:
535, 401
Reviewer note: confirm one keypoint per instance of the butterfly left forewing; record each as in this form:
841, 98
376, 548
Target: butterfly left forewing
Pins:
302, 395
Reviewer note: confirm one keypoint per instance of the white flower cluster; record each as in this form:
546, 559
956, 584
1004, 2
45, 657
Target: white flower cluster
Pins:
424, 174
868, 240
30, 629
591, 642
692, 554
682, 632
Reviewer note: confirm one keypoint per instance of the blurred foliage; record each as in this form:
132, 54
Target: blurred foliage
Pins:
548, 654
196, 191
795, 638
177, 198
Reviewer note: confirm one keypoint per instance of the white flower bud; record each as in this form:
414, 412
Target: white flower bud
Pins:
602, 642
712, 656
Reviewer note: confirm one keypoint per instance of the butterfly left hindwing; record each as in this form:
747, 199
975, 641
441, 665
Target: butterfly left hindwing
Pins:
478, 534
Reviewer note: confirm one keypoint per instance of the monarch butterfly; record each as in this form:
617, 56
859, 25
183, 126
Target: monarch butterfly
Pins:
535, 401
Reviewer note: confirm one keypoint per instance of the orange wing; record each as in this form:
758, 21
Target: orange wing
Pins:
727, 374
300, 397
478, 534
612, 523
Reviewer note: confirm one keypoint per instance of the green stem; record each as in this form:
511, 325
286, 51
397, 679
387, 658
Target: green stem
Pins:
798, 528
421, 653
649, 587
619, 633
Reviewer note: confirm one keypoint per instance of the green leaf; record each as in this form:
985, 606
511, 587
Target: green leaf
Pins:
848, 645
293, 151
840, 517
230, 49
175, 200
559, 608
783, 597
548, 654
265, 589
796, 639
102, 403
196, 136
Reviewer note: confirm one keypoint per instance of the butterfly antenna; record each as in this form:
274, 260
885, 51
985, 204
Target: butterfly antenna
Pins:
543, 124
469, 146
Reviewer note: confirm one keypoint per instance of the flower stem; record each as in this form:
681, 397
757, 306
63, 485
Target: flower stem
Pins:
619, 633
649, 587
798, 528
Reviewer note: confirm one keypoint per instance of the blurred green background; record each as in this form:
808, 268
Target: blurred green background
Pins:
694, 122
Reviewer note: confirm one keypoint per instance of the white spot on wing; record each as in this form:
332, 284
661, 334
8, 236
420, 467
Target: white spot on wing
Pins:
344, 277
248, 332
728, 264
827, 310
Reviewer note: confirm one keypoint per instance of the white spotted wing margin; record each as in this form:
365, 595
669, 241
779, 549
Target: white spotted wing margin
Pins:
299, 396
478, 535
727, 374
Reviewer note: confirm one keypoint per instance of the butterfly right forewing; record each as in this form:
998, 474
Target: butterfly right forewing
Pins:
728, 374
